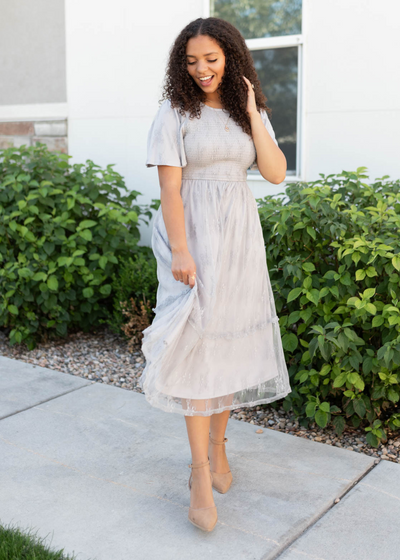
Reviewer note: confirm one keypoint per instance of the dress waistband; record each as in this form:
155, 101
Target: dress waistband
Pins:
219, 180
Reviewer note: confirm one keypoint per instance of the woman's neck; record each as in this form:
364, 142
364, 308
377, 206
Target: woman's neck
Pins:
214, 100
215, 104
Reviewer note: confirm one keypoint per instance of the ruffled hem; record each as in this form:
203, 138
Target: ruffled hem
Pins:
251, 372
157, 403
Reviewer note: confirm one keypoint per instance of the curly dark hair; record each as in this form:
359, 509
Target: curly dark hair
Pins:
183, 92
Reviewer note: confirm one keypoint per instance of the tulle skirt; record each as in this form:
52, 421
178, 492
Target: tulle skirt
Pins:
216, 346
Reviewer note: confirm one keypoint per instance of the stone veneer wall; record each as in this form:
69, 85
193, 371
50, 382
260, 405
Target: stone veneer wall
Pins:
52, 133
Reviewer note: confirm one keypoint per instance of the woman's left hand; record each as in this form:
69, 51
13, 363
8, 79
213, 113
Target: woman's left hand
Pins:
251, 98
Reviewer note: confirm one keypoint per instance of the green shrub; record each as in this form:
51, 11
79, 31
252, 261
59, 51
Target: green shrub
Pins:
134, 290
333, 253
63, 230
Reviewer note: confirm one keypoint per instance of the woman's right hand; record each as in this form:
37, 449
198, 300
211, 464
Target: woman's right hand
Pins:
183, 267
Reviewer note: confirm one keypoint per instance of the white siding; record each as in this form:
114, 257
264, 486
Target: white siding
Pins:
352, 87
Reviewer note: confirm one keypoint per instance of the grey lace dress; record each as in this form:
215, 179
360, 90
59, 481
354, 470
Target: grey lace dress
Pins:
216, 346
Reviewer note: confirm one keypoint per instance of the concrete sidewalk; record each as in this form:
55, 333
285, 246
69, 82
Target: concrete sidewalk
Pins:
97, 470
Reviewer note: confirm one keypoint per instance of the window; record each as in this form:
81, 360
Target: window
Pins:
273, 32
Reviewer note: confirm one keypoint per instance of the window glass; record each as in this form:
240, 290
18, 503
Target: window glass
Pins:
277, 70
260, 18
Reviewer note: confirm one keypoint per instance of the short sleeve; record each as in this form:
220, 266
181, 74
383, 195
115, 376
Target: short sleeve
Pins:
165, 138
268, 126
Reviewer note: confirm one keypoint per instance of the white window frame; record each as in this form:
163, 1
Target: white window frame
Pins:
279, 42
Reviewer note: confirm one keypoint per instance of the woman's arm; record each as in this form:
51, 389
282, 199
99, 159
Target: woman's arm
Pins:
183, 265
271, 161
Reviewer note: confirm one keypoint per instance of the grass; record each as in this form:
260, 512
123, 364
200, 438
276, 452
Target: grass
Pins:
16, 544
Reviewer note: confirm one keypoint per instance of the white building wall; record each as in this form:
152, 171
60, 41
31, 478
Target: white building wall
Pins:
32, 55
352, 100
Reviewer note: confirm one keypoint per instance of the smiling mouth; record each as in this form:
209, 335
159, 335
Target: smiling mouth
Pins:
206, 82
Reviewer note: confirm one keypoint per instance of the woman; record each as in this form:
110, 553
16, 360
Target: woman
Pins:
214, 344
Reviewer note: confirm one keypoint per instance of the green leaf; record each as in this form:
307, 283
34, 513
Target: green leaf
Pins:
370, 307
132, 216
353, 376
293, 317
311, 232
308, 267
346, 279
313, 296
371, 272
321, 418
326, 368
335, 408
87, 224
88, 292
378, 321
52, 283
310, 409
103, 262
339, 424
86, 234
334, 291
318, 328
324, 292
325, 406
351, 335
13, 309
393, 395
48, 247
25, 273
340, 379
294, 294
359, 384
354, 301
396, 262
367, 365
290, 342
105, 290
359, 407
62, 261
372, 439
343, 341
360, 275
368, 293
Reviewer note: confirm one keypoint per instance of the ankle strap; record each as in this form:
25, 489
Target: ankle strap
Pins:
218, 442
193, 466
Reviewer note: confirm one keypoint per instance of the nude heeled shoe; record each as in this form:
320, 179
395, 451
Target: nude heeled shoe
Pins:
221, 481
203, 518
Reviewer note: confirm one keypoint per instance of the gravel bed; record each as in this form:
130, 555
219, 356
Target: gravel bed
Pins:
103, 356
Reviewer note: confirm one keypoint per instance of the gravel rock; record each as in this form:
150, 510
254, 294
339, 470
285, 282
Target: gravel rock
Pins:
103, 357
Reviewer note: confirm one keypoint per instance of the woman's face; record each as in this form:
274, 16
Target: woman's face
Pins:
205, 58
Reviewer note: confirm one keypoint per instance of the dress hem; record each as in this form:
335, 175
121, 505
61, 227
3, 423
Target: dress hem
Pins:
182, 411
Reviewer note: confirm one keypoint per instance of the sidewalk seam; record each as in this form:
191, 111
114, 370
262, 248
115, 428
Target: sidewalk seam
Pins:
278, 553
45, 401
